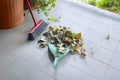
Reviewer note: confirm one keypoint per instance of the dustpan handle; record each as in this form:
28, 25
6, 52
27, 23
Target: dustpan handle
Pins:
55, 63
30, 9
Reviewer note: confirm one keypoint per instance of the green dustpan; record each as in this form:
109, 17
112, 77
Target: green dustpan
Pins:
57, 54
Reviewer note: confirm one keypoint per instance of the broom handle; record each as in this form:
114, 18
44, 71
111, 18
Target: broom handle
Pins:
30, 9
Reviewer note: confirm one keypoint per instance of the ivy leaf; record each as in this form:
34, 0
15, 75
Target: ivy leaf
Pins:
60, 47
75, 48
42, 45
46, 13
78, 36
51, 29
82, 55
45, 34
108, 37
53, 4
68, 39
81, 44
51, 19
68, 34
40, 41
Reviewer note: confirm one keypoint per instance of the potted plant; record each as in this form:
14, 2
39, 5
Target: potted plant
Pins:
11, 13
43, 6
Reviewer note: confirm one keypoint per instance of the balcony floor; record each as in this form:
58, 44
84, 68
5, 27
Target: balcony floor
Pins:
24, 60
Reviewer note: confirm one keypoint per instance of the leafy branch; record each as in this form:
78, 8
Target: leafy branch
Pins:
43, 6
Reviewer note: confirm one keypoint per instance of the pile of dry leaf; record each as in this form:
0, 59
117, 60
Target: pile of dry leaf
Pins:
63, 37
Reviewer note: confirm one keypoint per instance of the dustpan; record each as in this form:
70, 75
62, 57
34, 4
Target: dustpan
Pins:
57, 54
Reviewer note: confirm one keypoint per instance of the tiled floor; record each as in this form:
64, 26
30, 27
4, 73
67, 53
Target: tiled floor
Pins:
24, 60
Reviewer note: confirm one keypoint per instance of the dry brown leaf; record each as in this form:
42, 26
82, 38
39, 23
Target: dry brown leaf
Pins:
82, 55
78, 35
60, 47
68, 39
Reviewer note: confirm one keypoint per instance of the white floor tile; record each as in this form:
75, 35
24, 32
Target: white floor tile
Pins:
74, 74
5, 37
4, 77
22, 70
114, 34
71, 17
116, 25
5, 59
72, 8
109, 44
84, 22
98, 52
118, 48
112, 74
89, 65
104, 20
91, 48
104, 55
89, 15
94, 37
116, 61
100, 28
79, 29
29, 53
89, 77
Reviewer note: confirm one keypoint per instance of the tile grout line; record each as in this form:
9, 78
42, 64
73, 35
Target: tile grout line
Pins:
82, 70
36, 66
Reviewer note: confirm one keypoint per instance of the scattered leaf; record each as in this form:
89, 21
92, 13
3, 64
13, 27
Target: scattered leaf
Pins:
108, 37
40, 41
42, 45
51, 19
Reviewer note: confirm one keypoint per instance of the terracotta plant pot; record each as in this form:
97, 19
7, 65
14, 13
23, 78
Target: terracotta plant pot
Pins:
11, 13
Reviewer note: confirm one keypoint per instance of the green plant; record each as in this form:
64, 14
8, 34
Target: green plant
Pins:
91, 2
43, 6
111, 5
102, 3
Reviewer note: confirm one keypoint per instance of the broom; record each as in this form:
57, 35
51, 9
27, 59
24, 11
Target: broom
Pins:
38, 27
